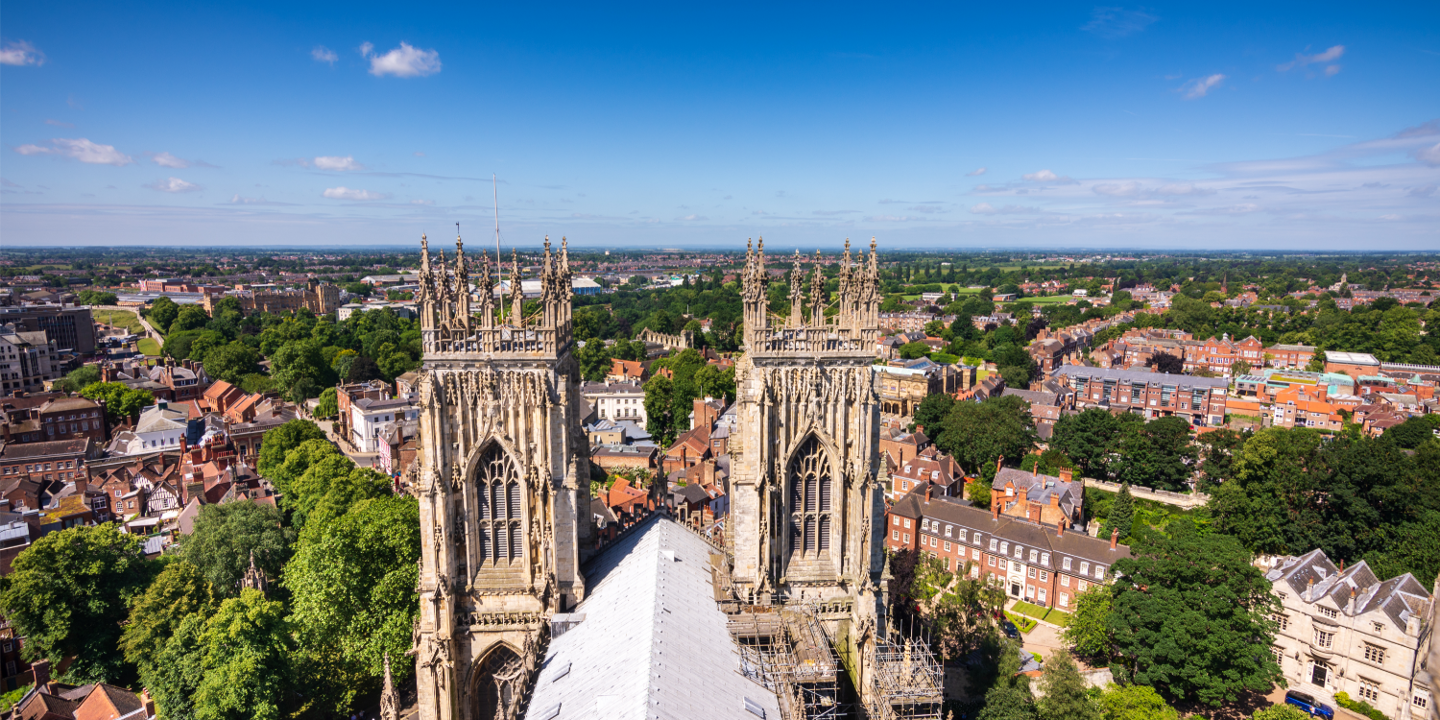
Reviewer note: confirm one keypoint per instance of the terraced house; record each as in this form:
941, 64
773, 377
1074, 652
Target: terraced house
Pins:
1043, 563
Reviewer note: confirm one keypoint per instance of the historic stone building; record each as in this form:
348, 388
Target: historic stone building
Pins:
807, 508
503, 485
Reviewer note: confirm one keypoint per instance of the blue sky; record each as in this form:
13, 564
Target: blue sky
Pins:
1250, 125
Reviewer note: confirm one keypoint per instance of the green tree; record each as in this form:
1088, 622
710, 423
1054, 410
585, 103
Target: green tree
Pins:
69, 593
660, 409
326, 491
1064, 691
1218, 449
77, 379
1088, 632
177, 670
179, 591
190, 317
278, 442
1158, 454
716, 383
1089, 438
328, 407
353, 583
121, 402
594, 360
256, 383
231, 362
162, 313
932, 412
246, 648
225, 537
977, 434
1122, 513
295, 463
914, 349
1191, 617
298, 364
1135, 702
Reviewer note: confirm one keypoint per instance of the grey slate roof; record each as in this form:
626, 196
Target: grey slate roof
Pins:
1139, 376
652, 644
1399, 597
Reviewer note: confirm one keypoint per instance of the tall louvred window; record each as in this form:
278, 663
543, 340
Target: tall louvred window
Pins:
501, 509
810, 500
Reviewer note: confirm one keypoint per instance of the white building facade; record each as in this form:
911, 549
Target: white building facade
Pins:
1348, 631
367, 417
616, 400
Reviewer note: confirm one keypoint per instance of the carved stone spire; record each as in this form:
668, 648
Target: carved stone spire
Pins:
389, 699
254, 577
485, 288
797, 276
425, 287
517, 293
817, 294
462, 287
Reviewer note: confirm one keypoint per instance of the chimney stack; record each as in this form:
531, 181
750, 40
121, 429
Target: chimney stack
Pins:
1066, 474
1310, 590
995, 508
1059, 528
41, 669
1350, 606
1114, 538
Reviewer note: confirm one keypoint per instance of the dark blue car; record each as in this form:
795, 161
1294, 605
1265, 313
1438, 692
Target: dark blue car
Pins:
1310, 705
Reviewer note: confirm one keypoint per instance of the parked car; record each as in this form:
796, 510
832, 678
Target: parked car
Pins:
1310, 705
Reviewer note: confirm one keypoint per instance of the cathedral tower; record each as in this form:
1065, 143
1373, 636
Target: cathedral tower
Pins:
807, 508
504, 482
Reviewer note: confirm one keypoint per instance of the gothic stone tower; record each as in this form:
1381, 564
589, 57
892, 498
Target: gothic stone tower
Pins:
504, 484
807, 509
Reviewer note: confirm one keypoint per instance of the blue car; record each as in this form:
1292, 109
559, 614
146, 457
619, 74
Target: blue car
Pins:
1310, 705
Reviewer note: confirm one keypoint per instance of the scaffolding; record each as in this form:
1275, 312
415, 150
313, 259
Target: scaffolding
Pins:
788, 651
907, 681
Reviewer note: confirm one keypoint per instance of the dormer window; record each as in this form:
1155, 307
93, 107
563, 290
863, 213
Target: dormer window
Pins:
1328, 612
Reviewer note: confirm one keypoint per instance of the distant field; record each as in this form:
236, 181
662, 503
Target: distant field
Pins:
149, 347
119, 318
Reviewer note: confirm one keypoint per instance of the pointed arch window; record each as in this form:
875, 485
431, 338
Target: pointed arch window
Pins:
501, 511
811, 491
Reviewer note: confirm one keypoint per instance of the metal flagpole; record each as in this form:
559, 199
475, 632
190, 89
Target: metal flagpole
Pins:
495, 188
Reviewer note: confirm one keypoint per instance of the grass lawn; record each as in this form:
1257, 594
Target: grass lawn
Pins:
1022, 623
1054, 617
149, 347
119, 318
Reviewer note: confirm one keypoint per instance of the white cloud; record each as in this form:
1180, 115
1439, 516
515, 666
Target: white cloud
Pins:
1198, 87
80, 149
422, 202
333, 162
403, 61
694, 217
58, 123
1123, 189
324, 54
1113, 22
1301, 60
988, 209
1422, 191
165, 159
1045, 176
1332, 70
1429, 155
344, 193
977, 172
173, 185
21, 53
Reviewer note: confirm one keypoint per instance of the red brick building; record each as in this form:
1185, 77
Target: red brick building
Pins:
1044, 564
